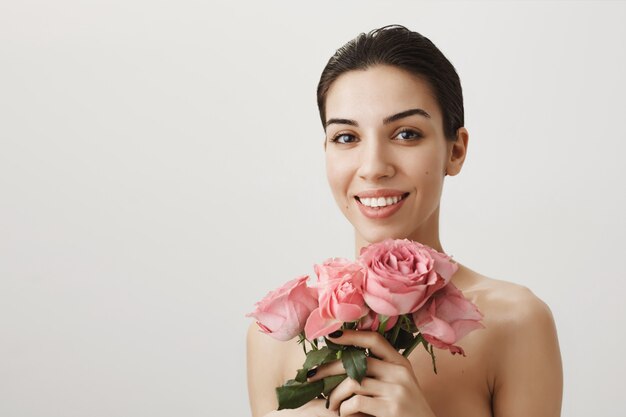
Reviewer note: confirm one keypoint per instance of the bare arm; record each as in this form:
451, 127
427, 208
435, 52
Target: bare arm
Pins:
529, 376
265, 360
263, 370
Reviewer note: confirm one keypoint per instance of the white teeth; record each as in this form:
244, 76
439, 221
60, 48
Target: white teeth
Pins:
380, 201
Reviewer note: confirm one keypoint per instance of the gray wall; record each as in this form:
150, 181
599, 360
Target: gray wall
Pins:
161, 169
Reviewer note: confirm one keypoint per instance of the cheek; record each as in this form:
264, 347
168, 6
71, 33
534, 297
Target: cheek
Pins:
425, 172
428, 162
338, 175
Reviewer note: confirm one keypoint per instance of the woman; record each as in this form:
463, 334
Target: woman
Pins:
392, 109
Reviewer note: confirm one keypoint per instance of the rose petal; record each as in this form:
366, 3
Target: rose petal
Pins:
317, 326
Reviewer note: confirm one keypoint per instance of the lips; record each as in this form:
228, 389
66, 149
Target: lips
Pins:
380, 212
395, 198
381, 192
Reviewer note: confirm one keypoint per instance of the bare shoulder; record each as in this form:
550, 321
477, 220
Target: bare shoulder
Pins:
513, 304
521, 339
503, 303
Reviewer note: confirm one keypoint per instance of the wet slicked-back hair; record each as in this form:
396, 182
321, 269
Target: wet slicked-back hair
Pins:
400, 47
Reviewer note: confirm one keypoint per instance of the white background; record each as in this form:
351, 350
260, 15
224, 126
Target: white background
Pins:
161, 169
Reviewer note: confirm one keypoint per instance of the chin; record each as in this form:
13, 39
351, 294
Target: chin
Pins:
378, 234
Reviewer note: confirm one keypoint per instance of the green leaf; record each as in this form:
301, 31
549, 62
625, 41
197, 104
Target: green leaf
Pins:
318, 357
408, 324
301, 375
355, 363
330, 382
333, 346
296, 394
404, 339
352, 325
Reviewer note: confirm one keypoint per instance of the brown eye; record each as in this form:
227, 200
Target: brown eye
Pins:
342, 138
409, 134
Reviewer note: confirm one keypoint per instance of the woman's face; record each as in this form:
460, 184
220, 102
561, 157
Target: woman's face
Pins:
384, 134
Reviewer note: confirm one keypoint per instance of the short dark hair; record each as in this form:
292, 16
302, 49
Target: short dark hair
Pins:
400, 47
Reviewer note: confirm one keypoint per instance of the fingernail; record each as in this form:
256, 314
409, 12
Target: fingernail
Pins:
311, 372
336, 334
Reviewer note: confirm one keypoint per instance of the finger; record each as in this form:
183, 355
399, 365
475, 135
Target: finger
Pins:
349, 387
328, 369
379, 369
360, 403
373, 341
316, 407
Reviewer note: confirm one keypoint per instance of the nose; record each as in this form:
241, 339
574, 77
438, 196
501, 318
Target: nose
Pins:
375, 160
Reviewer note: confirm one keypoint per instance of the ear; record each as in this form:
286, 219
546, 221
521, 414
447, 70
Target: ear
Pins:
457, 151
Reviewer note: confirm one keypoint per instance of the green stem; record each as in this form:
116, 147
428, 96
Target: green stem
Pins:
303, 340
418, 339
383, 323
432, 355
314, 344
396, 330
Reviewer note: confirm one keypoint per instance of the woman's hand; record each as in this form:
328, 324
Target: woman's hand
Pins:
389, 389
314, 408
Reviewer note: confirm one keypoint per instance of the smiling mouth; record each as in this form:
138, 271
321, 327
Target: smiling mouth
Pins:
381, 202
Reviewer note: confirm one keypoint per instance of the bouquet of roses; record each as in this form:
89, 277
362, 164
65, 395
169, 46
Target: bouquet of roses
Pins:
397, 287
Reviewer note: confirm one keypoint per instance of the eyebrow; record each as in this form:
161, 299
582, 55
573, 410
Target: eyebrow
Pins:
386, 120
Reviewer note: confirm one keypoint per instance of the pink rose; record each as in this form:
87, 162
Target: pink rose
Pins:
371, 322
446, 318
340, 297
283, 312
402, 275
